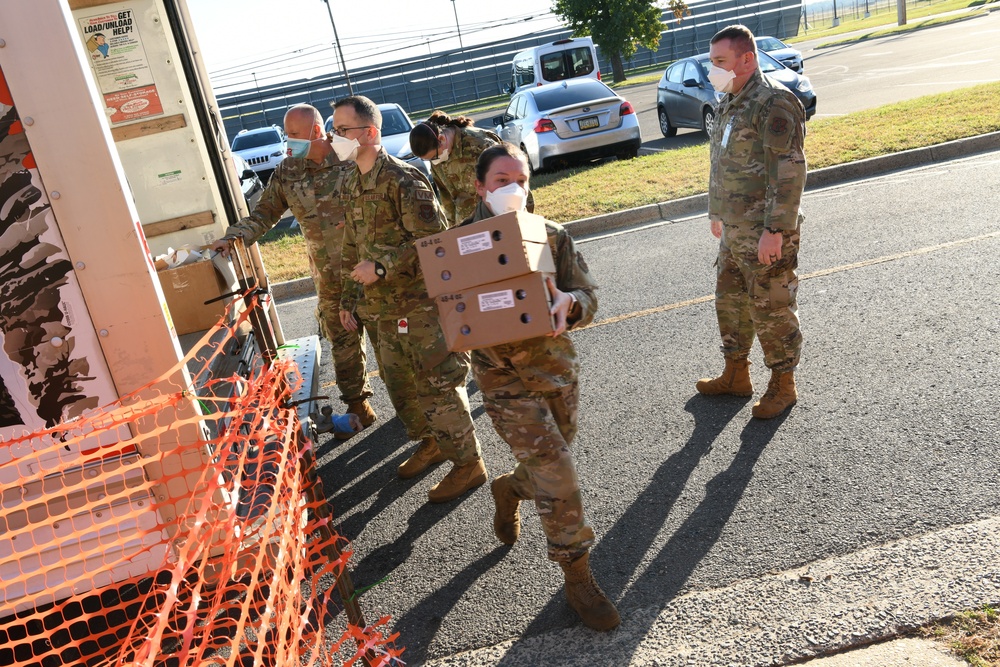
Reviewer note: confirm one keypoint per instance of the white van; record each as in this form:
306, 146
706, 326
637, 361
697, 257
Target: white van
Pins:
562, 59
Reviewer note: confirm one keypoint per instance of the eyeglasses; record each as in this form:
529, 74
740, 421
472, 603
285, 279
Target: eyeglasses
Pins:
342, 131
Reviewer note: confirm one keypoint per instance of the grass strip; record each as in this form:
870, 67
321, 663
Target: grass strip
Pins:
909, 27
972, 635
886, 18
585, 191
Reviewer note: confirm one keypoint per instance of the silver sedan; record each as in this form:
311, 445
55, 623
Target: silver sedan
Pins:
576, 119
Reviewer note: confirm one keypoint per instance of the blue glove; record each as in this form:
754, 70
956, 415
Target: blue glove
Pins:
342, 423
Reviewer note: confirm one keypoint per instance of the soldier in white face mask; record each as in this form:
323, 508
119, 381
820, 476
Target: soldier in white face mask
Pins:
758, 173
309, 181
531, 392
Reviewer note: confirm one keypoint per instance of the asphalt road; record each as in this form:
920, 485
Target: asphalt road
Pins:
864, 74
894, 436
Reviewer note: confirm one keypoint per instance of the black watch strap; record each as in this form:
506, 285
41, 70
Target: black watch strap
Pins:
379, 270
773, 231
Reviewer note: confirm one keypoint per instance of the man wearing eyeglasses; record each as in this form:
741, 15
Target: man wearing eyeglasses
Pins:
309, 182
390, 204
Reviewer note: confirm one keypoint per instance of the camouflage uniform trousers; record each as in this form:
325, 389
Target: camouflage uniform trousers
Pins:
752, 298
425, 380
539, 426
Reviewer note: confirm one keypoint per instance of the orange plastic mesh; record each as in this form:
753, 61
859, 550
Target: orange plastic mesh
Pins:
177, 526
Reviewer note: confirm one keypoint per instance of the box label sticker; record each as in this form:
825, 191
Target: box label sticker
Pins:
496, 300
474, 243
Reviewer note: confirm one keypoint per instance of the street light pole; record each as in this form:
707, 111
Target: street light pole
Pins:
475, 84
458, 27
336, 40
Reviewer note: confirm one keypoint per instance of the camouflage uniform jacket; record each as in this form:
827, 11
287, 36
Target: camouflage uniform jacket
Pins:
456, 176
312, 192
546, 363
758, 167
388, 209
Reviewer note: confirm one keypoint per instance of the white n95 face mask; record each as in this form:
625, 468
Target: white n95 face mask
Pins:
721, 79
346, 149
511, 197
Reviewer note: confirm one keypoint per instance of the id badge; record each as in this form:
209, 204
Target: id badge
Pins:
402, 326
725, 133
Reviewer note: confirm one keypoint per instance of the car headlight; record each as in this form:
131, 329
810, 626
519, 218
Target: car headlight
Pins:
277, 154
804, 85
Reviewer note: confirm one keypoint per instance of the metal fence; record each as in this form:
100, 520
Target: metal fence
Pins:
820, 17
452, 77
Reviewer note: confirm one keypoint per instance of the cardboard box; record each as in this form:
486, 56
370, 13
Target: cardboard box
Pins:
501, 312
484, 252
186, 289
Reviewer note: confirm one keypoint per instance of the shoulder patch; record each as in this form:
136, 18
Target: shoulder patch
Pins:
779, 126
424, 195
427, 213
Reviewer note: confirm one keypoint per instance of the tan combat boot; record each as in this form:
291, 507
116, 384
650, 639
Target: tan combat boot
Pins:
427, 453
458, 480
364, 413
586, 597
507, 519
780, 396
735, 380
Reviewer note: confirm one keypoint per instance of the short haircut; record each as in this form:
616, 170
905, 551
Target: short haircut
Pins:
739, 37
495, 152
366, 110
306, 110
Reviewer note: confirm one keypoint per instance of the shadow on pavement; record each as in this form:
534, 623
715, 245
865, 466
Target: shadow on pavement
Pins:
419, 625
623, 548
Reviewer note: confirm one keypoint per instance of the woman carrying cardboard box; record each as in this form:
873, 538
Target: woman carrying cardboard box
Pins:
531, 392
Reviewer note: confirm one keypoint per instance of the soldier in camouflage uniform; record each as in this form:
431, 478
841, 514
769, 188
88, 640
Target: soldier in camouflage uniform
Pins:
311, 187
453, 147
531, 392
389, 205
758, 173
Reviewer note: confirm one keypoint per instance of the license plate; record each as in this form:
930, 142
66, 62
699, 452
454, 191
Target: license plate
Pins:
588, 123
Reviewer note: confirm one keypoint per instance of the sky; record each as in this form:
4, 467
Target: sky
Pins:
270, 39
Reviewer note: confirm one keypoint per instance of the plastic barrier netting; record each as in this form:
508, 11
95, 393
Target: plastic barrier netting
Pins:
181, 525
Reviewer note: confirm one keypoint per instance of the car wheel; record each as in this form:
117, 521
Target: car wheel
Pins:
708, 121
629, 153
666, 128
532, 169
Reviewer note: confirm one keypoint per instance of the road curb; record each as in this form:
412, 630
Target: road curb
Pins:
687, 206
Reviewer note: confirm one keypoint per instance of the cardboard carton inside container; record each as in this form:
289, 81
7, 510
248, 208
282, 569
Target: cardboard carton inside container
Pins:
484, 252
502, 312
186, 289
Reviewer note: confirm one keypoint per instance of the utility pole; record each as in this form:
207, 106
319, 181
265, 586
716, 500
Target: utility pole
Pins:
336, 41
836, 19
475, 84
259, 99
901, 11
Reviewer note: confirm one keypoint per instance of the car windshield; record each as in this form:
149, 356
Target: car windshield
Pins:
394, 122
769, 44
255, 140
578, 94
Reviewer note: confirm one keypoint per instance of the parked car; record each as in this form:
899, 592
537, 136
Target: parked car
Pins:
262, 149
686, 98
576, 119
396, 126
784, 54
250, 183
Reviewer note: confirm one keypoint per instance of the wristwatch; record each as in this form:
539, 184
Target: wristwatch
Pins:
379, 270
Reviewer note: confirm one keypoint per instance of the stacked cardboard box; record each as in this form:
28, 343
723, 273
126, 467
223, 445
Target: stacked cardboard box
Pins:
488, 280
186, 289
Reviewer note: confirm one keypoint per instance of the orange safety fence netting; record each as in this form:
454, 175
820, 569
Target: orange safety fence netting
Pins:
180, 525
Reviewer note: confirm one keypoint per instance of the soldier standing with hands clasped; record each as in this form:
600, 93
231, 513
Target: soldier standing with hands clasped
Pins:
758, 173
390, 205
